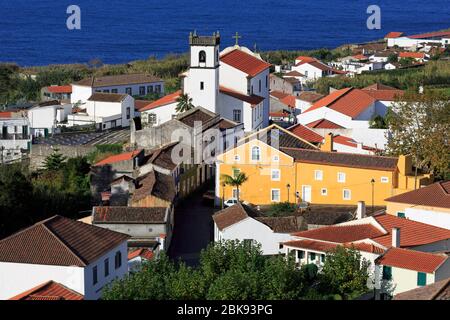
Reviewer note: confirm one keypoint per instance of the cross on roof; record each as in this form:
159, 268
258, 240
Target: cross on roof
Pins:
237, 37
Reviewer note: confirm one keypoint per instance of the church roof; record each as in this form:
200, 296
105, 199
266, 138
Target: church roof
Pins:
244, 62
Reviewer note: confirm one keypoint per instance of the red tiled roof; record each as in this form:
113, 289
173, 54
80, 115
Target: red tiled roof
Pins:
412, 260
348, 101
305, 59
345, 141
5, 114
118, 157
379, 86
430, 35
306, 133
289, 101
393, 34
168, 99
142, 252
327, 246
342, 233
245, 62
279, 114
384, 95
434, 195
140, 104
360, 57
309, 96
324, 124
253, 99
49, 291
294, 73
278, 94
60, 241
415, 55
412, 233
60, 89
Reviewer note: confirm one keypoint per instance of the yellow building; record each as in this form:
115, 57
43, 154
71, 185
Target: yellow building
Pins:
282, 167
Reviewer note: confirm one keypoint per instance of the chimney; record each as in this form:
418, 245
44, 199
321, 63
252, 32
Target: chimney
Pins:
361, 210
328, 143
396, 237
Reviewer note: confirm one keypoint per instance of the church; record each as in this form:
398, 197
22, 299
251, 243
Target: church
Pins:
233, 83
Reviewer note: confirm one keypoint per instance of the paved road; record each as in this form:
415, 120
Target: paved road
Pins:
193, 230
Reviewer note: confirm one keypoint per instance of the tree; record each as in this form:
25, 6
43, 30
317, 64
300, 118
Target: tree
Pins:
54, 161
184, 103
419, 125
235, 181
393, 57
377, 122
345, 273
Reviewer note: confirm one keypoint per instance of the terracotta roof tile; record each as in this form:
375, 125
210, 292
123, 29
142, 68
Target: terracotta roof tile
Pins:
141, 252
327, 246
412, 260
324, 124
117, 80
107, 97
134, 215
60, 89
289, 101
278, 94
59, 241
309, 96
414, 55
412, 233
282, 224
253, 99
119, 157
436, 291
168, 99
341, 233
342, 159
434, 195
379, 86
244, 62
306, 133
430, 35
50, 290
232, 215
393, 34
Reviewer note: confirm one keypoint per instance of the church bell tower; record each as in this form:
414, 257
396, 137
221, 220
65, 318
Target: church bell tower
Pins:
202, 84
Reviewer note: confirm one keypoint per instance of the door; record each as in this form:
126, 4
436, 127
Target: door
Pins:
306, 193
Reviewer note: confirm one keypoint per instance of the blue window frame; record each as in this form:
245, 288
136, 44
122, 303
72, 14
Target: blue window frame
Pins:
387, 273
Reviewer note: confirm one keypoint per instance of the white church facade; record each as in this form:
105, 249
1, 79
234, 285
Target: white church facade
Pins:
233, 83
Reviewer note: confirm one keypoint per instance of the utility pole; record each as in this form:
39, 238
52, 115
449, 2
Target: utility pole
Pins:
373, 194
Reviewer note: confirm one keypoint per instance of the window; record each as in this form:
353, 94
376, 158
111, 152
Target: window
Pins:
387, 273
94, 275
128, 113
346, 194
300, 254
276, 158
324, 191
237, 116
267, 81
259, 85
280, 246
341, 177
118, 259
312, 256
275, 174
384, 180
114, 91
106, 91
322, 258
202, 57
421, 279
152, 118
248, 243
202, 85
236, 172
237, 158
256, 154
106, 267
401, 215
149, 89
158, 88
142, 91
318, 175
275, 195
129, 91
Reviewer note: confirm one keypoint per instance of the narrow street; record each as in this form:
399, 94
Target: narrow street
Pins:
193, 229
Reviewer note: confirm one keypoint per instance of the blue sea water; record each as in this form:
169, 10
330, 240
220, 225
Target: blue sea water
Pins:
34, 32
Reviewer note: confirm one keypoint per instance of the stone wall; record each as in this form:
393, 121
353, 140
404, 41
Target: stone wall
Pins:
39, 152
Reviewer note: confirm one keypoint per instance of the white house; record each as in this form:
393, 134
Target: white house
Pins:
15, 137
233, 83
44, 119
413, 41
312, 69
240, 222
373, 237
430, 204
79, 256
106, 110
131, 84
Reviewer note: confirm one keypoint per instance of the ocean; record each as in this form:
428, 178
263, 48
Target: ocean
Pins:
34, 32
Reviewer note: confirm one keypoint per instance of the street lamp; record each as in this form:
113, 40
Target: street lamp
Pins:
373, 193
288, 186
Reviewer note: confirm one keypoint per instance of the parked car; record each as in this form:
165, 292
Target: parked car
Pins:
230, 202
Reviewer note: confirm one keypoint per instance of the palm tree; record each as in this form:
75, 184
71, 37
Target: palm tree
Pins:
235, 180
184, 103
